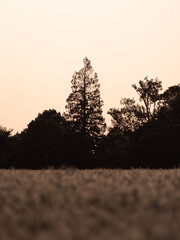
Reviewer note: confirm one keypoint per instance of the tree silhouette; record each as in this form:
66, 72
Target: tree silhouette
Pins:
49, 140
84, 104
170, 111
170, 94
129, 117
42, 141
149, 93
156, 143
5, 145
113, 150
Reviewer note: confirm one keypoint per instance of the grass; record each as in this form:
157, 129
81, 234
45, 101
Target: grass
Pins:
89, 204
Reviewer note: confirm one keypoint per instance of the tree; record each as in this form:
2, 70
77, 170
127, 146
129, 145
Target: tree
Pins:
149, 93
41, 142
129, 117
113, 151
156, 143
84, 104
49, 140
170, 110
5, 145
51, 115
170, 95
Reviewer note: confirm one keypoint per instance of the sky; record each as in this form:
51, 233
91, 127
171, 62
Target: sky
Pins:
43, 42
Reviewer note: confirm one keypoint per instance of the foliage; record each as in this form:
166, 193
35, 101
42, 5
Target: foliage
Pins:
156, 145
170, 112
113, 150
84, 105
153, 129
149, 93
129, 117
170, 95
5, 146
49, 141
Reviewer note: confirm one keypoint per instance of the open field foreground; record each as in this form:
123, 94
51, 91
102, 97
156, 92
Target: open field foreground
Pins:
89, 204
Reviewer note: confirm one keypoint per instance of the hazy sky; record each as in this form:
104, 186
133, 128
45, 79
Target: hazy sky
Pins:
42, 43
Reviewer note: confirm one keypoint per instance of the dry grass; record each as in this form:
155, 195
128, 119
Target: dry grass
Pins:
89, 204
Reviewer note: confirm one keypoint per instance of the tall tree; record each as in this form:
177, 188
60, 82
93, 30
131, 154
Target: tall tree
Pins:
84, 104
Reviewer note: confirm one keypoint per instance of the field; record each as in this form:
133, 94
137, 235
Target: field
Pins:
89, 204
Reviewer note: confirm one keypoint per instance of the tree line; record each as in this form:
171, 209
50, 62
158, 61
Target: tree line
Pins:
144, 134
